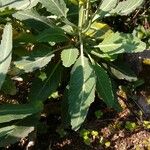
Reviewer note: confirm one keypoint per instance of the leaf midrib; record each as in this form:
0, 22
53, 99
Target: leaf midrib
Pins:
36, 61
33, 16
59, 8
83, 86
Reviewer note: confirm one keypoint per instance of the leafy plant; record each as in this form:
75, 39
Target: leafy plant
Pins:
53, 35
89, 136
146, 124
131, 126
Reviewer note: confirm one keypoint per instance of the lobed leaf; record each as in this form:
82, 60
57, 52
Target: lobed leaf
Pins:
36, 60
126, 7
18, 4
56, 7
104, 9
31, 17
81, 91
69, 56
117, 43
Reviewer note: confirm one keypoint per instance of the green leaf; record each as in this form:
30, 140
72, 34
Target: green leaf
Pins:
123, 71
105, 56
104, 86
17, 4
69, 56
10, 112
126, 7
42, 88
131, 126
81, 91
104, 8
9, 86
5, 52
98, 30
32, 17
13, 133
56, 7
117, 43
36, 60
107, 6
52, 35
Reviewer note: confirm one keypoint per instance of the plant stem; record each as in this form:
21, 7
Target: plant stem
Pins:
87, 10
81, 45
80, 25
81, 16
87, 20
